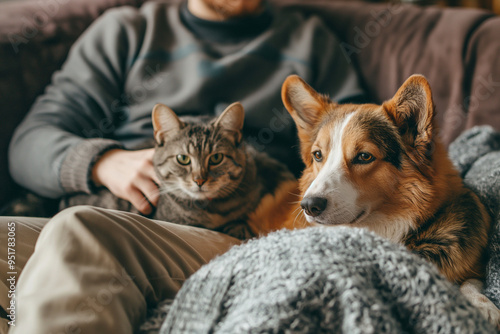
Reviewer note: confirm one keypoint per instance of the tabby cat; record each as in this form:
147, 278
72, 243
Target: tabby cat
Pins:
210, 177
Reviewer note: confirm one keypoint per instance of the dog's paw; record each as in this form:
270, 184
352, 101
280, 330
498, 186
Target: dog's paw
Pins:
488, 309
471, 289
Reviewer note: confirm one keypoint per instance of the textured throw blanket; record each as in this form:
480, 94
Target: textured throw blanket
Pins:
341, 280
321, 280
476, 154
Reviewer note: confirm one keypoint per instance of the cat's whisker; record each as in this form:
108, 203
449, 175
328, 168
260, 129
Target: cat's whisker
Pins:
170, 187
165, 191
228, 190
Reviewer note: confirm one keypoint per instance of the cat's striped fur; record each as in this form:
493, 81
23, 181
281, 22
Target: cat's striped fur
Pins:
236, 196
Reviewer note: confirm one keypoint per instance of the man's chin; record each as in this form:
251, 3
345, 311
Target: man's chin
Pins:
234, 9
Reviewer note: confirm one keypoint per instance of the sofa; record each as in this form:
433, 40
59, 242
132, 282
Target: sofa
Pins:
456, 49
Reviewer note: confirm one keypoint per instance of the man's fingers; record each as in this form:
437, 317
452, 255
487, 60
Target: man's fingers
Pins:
138, 200
150, 173
149, 189
130, 175
149, 152
148, 169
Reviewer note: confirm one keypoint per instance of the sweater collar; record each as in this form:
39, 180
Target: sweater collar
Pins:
232, 30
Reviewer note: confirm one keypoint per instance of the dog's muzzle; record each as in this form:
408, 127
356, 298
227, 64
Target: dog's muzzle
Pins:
314, 206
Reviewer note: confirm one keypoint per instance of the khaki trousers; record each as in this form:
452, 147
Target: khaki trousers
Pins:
95, 270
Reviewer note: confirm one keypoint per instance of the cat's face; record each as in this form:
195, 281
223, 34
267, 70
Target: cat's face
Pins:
198, 160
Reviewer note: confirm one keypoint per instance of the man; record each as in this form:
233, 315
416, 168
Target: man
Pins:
97, 271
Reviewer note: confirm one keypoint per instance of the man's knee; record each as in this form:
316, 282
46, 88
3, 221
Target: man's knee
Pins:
71, 217
80, 221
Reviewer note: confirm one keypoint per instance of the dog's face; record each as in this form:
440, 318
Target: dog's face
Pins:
359, 157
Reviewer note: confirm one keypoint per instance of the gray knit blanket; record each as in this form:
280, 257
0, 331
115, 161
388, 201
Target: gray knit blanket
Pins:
340, 280
476, 154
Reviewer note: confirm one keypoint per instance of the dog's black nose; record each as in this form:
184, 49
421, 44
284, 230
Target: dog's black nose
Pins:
314, 206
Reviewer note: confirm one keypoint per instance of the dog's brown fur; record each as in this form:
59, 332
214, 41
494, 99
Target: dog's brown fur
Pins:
411, 179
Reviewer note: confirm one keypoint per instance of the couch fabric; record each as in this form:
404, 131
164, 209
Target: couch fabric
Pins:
455, 48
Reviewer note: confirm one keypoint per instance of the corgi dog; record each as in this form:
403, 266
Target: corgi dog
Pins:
383, 168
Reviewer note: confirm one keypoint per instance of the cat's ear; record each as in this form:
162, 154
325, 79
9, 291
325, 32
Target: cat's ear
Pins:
165, 123
232, 120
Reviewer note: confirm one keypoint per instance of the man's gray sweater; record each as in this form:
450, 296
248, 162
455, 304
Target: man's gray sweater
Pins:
130, 59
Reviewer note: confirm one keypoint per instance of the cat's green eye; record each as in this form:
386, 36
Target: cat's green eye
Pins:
183, 159
216, 158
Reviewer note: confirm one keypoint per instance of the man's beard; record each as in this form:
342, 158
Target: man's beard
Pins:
234, 8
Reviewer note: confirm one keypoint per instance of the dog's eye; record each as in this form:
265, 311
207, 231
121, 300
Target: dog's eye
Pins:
183, 159
318, 156
364, 158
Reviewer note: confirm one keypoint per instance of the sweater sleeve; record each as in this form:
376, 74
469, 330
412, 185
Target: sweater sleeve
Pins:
72, 124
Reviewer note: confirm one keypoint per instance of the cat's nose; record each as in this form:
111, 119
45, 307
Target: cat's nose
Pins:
199, 181
314, 206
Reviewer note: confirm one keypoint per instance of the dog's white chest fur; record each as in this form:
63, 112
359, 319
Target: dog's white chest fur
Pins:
393, 229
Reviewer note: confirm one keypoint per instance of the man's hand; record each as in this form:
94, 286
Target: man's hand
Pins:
129, 175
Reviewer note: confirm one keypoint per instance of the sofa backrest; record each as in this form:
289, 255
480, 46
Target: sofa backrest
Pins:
456, 49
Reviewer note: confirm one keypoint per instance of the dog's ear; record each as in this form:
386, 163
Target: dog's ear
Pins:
306, 106
232, 119
165, 123
412, 111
